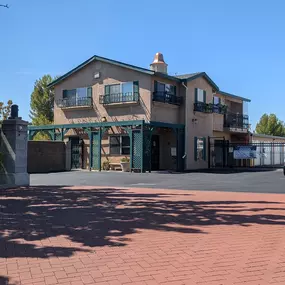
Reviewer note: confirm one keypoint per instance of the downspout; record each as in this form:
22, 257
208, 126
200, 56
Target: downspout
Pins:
186, 127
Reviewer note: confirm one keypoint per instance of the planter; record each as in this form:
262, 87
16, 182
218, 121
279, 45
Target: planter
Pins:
125, 166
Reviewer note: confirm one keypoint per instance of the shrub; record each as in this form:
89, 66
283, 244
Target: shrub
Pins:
125, 159
106, 165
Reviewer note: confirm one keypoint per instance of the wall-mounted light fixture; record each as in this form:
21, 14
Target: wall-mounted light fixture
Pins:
103, 119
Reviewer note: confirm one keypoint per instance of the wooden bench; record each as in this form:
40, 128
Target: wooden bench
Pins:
115, 166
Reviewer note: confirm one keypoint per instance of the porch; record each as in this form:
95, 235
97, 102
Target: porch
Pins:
148, 145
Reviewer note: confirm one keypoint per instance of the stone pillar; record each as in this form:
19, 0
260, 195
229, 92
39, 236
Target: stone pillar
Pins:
14, 144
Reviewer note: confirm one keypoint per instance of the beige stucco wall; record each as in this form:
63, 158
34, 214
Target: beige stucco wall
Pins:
221, 135
218, 122
235, 105
162, 112
197, 124
109, 74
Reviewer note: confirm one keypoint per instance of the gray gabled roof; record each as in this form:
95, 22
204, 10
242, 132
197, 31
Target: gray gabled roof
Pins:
188, 75
103, 59
192, 76
234, 96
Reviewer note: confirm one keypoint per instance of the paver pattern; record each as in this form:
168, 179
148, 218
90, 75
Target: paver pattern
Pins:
109, 236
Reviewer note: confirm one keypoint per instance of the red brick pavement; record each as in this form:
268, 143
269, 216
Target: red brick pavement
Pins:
82, 235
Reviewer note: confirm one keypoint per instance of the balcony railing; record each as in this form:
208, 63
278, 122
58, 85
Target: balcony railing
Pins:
203, 107
165, 97
75, 102
237, 121
119, 98
210, 108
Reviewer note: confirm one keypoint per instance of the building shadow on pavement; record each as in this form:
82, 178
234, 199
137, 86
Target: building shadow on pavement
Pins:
100, 217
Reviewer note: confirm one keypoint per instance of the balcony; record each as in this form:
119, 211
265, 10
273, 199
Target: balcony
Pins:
120, 98
210, 108
203, 107
74, 103
165, 97
236, 122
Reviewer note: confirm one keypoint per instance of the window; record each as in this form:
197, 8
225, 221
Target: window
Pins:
199, 149
126, 88
200, 95
123, 92
165, 88
77, 94
115, 89
216, 100
120, 145
216, 103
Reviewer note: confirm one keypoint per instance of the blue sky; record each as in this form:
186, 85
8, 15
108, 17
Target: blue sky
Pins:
239, 43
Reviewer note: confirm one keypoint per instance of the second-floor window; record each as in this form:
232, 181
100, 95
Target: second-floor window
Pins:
77, 94
163, 88
123, 91
200, 95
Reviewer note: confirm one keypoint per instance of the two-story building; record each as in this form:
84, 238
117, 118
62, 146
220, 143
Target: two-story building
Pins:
110, 109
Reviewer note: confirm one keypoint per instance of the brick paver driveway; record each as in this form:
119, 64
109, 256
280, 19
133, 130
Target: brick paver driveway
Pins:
53, 235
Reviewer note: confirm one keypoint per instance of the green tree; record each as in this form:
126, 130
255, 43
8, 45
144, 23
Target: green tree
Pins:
5, 110
270, 125
42, 102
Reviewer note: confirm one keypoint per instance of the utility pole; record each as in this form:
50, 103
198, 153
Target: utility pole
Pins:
5, 6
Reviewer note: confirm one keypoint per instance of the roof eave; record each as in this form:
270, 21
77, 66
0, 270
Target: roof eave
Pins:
234, 96
103, 59
205, 75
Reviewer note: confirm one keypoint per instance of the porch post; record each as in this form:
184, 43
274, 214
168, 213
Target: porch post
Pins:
99, 146
90, 148
142, 147
180, 133
61, 134
130, 132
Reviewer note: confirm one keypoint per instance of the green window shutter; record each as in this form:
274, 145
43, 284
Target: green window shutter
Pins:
204, 149
136, 87
107, 89
220, 100
155, 86
196, 95
89, 92
195, 148
64, 94
174, 90
204, 96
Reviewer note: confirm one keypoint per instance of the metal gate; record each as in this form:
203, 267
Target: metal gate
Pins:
76, 150
223, 153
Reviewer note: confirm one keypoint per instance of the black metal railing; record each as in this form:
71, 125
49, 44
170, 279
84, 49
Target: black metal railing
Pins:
75, 102
203, 107
165, 97
119, 98
210, 108
238, 121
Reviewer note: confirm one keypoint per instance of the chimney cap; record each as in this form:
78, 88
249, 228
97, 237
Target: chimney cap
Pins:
158, 58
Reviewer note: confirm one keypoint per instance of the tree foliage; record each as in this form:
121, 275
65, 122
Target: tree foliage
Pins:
270, 125
42, 102
5, 110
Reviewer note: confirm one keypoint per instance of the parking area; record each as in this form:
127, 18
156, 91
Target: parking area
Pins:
270, 181
123, 235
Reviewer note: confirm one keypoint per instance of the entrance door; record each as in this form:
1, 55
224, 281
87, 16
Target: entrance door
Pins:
75, 152
155, 152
